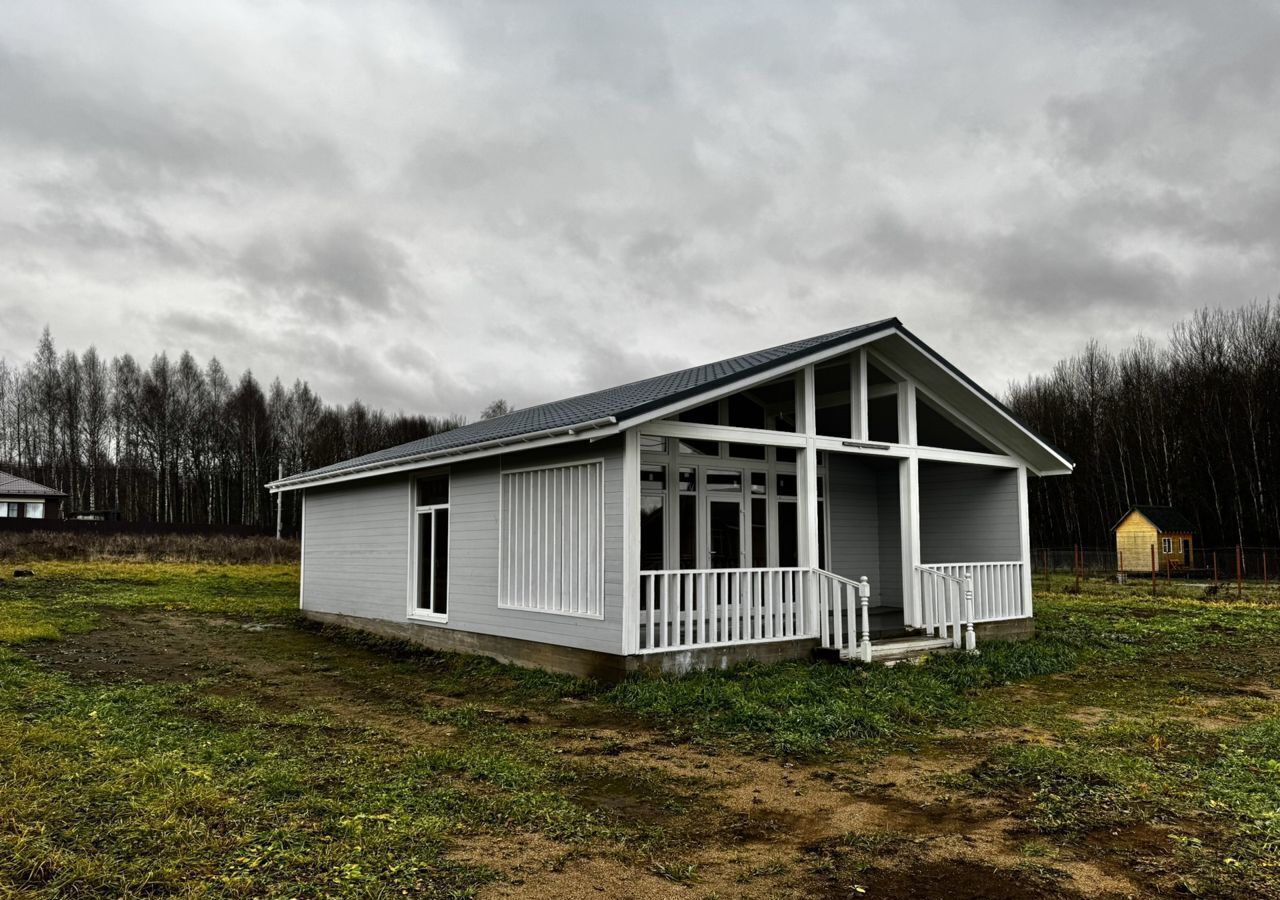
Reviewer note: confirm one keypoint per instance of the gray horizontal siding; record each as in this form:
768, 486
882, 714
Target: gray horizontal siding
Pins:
356, 551
473, 584
968, 514
863, 515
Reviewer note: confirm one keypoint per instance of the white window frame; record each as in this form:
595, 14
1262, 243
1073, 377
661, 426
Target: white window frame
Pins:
1166, 546
415, 612
600, 580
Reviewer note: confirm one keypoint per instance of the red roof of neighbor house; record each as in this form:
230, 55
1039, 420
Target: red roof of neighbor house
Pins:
14, 486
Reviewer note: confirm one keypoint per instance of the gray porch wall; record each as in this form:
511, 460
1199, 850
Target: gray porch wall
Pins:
862, 500
356, 551
968, 514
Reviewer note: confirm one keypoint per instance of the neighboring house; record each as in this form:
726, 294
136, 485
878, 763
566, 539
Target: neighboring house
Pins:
1144, 527
839, 492
23, 499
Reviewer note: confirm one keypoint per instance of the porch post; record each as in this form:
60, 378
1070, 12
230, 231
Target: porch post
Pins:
1024, 521
631, 543
807, 465
858, 396
909, 512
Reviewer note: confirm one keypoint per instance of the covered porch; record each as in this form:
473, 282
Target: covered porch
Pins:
751, 527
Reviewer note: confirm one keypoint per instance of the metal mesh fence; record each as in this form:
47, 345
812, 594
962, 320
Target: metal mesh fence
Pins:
1209, 564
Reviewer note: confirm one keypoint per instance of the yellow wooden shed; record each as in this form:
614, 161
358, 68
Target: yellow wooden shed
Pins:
1144, 527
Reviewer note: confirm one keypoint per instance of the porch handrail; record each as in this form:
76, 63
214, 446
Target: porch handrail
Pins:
838, 617
945, 603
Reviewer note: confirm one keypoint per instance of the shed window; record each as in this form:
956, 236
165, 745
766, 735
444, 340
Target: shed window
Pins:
552, 531
431, 546
1166, 545
35, 511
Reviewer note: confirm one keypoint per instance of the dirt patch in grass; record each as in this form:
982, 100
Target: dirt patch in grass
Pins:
685, 819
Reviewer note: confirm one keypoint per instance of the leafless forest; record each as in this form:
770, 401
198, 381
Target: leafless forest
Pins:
176, 441
1194, 424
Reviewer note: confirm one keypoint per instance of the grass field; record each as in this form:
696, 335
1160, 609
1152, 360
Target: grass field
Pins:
175, 730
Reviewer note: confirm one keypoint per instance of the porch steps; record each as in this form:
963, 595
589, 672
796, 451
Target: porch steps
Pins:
909, 648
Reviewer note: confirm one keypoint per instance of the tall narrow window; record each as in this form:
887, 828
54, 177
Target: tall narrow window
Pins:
431, 518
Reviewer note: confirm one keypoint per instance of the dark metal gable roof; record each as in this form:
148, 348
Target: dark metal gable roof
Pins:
13, 486
623, 401
1166, 519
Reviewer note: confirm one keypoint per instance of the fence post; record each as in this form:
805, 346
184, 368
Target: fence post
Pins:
864, 601
1168, 569
970, 638
1119, 566
1153, 570
1075, 561
1048, 579
1239, 572
280, 507
1215, 568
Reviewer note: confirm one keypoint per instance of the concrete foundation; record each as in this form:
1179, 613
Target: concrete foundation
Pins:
570, 660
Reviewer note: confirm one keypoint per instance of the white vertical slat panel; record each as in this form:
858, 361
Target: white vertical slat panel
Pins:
551, 532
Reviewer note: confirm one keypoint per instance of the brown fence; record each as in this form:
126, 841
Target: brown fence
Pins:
80, 526
1208, 564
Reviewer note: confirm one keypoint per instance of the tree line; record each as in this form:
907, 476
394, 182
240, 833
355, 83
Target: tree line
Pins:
175, 441
1193, 424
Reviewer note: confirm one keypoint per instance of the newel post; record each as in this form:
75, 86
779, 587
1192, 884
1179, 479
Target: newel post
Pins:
970, 639
864, 601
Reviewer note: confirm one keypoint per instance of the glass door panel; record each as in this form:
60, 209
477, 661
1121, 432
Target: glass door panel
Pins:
724, 533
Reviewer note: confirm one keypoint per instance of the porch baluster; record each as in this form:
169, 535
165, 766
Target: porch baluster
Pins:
970, 638
864, 595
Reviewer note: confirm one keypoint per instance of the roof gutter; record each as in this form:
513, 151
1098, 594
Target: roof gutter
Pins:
295, 482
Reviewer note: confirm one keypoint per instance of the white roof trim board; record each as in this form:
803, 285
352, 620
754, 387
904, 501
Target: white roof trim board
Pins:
610, 411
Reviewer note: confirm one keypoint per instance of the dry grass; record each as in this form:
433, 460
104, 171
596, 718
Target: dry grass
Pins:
20, 547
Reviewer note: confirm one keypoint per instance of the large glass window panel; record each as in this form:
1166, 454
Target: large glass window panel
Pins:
35, 511
787, 484
724, 536
699, 448
760, 483
724, 480
882, 419
759, 532
689, 479
440, 578
788, 535
652, 532
706, 414
653, 478
688, 531
433, 491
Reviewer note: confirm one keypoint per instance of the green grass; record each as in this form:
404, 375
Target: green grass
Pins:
236, 780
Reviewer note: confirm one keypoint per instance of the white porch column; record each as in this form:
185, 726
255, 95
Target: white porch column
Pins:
807, 464
631, 543
858, 396
1024, 521
907, 413
909, 513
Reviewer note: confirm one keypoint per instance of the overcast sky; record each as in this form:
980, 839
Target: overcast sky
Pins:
430, 205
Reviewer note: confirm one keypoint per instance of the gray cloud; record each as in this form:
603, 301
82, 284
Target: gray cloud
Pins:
435, 204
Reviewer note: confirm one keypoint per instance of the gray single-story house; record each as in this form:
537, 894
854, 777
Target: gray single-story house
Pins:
852, 491
21, 498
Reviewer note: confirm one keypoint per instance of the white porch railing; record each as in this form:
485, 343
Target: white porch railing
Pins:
842, 605
997, 588
684, 608
946, 605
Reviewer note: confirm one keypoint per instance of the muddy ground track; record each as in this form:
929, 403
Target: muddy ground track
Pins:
738, 826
